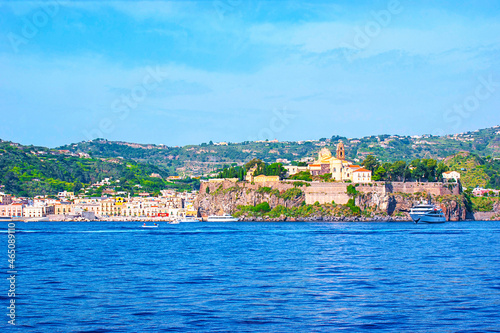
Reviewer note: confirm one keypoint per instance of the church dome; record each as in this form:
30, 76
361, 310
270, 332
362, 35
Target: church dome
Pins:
324, 154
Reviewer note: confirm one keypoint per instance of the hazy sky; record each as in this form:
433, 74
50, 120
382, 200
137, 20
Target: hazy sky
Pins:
185, 72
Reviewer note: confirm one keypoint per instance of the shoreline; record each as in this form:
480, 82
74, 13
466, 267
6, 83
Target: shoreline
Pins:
247, 220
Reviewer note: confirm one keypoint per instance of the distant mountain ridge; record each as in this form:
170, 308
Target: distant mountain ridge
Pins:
204, 158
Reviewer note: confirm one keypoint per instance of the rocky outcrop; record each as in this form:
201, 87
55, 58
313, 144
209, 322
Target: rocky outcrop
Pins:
494, 215
454, 209
400, 204
225, 197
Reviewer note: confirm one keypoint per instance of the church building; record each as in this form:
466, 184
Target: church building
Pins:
340, 169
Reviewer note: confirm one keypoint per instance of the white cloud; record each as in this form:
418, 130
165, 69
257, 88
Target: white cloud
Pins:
323, 37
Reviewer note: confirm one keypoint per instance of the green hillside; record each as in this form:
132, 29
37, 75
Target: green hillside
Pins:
31, 171
474, 170
207, 157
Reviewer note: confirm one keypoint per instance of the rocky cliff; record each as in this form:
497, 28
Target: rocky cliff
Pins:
225, 197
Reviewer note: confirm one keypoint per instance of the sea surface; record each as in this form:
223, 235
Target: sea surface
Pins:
255, 277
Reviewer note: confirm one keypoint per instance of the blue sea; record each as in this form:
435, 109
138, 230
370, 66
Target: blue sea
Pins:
255, 277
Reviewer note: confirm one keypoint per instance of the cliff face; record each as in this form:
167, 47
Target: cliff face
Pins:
224, 197
399, 204
487, 216
454, 210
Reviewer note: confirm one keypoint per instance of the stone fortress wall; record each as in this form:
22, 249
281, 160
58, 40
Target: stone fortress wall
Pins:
337, 191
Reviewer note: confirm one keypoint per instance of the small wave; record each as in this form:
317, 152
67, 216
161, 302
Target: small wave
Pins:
144, 314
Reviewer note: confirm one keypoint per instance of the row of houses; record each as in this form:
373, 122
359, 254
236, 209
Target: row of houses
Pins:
170, 203
485, 192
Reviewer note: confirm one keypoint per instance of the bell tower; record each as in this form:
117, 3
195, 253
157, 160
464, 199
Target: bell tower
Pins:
341, 151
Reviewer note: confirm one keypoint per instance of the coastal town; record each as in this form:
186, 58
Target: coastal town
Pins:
66, 206
330, 177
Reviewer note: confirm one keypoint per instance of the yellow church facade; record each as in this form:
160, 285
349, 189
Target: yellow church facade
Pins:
260, 178
340, 169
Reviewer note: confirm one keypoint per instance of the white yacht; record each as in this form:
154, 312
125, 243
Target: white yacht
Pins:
223, 218
427, 213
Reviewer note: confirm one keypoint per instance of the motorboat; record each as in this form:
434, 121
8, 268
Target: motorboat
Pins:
427, 213
189, 219
150, 226
222, 218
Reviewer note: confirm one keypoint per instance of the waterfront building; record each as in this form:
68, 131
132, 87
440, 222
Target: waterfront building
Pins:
64, 208
5, 199
11, 210
109, 208
38, 211
91, 207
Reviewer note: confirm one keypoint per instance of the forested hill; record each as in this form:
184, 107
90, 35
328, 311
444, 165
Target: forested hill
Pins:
200, 159
475, 170
30, 171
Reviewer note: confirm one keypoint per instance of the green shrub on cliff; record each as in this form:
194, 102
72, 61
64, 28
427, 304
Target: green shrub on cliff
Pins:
262, 208
303, 175
268, 190
291, 194
355, 210
351, 191
300, 184
481, 204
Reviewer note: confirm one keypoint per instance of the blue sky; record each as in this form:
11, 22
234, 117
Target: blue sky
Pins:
186, 72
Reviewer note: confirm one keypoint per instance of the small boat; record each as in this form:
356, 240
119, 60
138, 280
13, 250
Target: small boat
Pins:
150, 226
188, 219
223, 218
174, 222
427, 213
37, 219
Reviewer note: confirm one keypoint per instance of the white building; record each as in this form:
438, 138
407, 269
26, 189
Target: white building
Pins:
66, 195
12, 210
451, 175
361, 176
36, 211
293, 169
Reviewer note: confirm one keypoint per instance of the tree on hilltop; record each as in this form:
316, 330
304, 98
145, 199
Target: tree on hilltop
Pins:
371, 163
